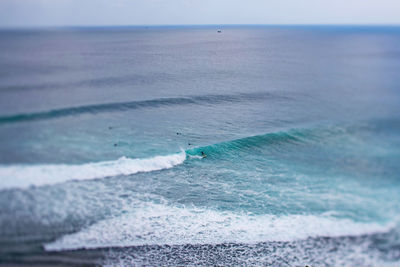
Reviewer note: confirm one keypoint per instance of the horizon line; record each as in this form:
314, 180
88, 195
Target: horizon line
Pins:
193, 25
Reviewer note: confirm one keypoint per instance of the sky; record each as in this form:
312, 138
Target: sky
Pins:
36, 13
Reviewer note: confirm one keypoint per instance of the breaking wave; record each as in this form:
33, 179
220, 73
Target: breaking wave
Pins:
23, 176
159, 224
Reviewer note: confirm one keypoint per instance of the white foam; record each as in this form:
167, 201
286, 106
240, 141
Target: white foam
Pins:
23, 176
155, 224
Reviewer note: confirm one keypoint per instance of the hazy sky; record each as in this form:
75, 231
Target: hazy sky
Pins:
155, 12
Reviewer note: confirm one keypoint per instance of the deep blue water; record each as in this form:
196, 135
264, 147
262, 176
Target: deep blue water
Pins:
102, 132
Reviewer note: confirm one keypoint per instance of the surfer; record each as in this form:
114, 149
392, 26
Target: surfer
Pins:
203, 155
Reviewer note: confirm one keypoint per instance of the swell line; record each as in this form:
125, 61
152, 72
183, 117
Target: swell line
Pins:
131, 105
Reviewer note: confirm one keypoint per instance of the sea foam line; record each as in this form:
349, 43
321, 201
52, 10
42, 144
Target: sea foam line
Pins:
23, 176
159, 224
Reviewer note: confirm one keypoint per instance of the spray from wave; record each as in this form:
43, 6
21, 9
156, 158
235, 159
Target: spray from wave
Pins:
23, 176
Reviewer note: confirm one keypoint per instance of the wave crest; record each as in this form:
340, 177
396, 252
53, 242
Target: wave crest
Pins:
232, 147
23, 176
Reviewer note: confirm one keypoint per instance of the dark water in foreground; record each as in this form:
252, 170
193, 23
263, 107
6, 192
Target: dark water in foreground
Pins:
102, 131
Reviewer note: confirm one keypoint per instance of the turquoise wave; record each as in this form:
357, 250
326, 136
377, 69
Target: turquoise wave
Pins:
254, 143
363, 136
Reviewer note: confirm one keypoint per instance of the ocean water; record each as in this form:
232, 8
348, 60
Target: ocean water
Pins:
102, 132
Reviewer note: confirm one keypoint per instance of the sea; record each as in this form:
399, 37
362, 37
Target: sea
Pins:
200, 146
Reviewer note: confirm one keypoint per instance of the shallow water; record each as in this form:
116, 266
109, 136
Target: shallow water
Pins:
103, 130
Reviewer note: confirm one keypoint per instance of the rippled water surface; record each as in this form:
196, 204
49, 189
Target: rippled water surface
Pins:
171, 146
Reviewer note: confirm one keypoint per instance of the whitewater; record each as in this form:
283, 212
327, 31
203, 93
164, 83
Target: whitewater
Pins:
156, 224
24, 176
